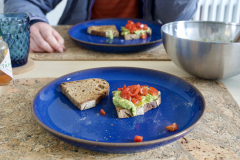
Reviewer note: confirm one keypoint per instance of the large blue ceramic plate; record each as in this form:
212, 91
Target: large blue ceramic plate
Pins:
78, 33
181, 103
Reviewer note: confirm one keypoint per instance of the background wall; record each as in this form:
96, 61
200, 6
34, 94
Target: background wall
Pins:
52, 16
212, 10
1, 6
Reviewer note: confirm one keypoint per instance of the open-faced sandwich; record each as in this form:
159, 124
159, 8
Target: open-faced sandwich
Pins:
104, 31
135, 100
135, 30
85, 94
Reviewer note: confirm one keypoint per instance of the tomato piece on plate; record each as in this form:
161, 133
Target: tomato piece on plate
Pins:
145, 27
128, 26
102, 112
138, 138
138, 25
129, 98
138, 97
134, 90
144, 36
130, 22
124, 93
153, 91
172, 127
134, 100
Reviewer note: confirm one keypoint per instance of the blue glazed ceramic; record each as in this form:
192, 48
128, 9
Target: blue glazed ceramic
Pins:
181, 103
78, 33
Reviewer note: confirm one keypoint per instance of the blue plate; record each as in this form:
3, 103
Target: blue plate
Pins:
78, 34
181, 103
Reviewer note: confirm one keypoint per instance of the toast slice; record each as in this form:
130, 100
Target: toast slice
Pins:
85, 94
136, 36
126, 113
103, 31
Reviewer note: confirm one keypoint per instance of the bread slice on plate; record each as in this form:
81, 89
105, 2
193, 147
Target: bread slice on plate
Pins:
136, 36
85, 94
135, 100
126, 113
103, 31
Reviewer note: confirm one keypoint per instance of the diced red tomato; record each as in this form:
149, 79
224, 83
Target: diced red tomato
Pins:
138, 25
133, 29
144, 36
172, 127
153, 91
129, 98
128, 26
135, 101
138, 97
130, 22
134, 90
133, 93
145, 27
102, 112
138, 139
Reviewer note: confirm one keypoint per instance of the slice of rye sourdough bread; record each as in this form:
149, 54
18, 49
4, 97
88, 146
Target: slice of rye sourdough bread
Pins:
136, 36
85, 94
103, 31
126, 113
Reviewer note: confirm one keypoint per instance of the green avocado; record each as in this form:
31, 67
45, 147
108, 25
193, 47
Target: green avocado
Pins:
110, 34
121, 102
126, 31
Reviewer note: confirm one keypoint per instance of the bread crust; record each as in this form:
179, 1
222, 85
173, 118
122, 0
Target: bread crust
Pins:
103, 30
95, 88
126, 113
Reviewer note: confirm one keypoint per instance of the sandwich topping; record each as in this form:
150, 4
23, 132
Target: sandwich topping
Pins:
135, 28
134, 96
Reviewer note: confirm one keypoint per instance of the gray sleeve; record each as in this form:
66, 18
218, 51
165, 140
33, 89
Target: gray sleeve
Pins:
166, 11
36, 9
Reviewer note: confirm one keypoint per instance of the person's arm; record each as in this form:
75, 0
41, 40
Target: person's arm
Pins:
43, 36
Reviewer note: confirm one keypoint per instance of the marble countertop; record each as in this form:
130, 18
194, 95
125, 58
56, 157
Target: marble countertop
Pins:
23, 138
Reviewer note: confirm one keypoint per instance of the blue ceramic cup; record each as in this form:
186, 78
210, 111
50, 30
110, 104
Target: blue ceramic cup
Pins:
16, 33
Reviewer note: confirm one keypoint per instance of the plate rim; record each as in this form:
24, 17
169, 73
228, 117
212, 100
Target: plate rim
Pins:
114, 45
111, 144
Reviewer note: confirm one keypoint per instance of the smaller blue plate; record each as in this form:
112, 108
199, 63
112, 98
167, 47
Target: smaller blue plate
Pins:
78, 33
181, 102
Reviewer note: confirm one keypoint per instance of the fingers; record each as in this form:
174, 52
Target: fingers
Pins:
45, 38
59, 38
51, 40
34, 47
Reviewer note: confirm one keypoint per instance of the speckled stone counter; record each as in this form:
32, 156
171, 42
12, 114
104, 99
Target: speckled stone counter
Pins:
216, 137
74, 52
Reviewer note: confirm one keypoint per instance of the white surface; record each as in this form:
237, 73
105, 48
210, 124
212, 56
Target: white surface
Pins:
1, 6
55, 14
218, 10
55, 69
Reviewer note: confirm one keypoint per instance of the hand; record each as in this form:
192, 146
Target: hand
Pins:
44, 38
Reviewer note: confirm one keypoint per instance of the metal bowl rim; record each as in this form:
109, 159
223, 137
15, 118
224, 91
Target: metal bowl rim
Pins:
188, 39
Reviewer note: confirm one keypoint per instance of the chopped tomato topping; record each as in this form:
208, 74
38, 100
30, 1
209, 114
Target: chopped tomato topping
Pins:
135, 101
136, 26
138, 97
138, 139
130, 22
102, 112
144, 36
128, 26
172, 127
133, 93
145, 27
153, 91
134, 90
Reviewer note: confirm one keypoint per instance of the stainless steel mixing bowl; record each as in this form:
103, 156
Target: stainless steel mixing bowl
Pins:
203, 48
